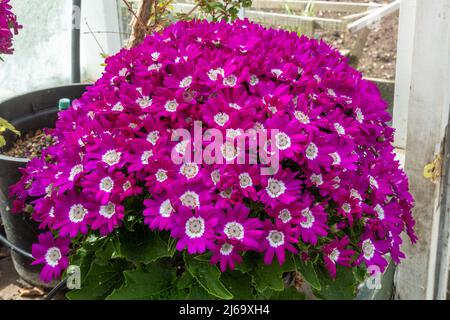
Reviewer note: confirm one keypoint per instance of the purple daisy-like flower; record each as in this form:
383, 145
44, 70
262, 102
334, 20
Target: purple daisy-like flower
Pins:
106, 217
159, 213
72, 214
372, 252
313, 224
226, 254
194, 229
278, 238
53, 254
236, 226
282, 187
337, 253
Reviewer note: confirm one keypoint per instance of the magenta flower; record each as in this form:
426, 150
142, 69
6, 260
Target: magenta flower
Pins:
72, 214
8, 27
282, 187
237, 227
313, 224
106, 217
194, 229
102, 185
334, 174
53, 254
158, 213
372, 252
226, 254
277, 239
337, 252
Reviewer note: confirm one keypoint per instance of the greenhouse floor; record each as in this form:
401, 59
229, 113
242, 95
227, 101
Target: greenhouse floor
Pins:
11, 286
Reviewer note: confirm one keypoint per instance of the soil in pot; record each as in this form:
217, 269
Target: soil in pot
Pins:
30, 145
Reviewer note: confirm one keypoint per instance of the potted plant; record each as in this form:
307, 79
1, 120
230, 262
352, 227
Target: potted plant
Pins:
220, 161
25, 114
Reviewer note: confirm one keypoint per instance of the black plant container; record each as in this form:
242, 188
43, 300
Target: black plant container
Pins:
28, 113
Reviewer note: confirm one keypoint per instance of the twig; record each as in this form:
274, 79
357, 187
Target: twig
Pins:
95, 38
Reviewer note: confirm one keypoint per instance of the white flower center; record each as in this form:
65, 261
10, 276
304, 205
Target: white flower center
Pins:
312, 151
317, 179
153, 137
144, 102
336, 158
77, 213
235, 106
226, 194
275, 188
275, 238
301, 117
254, 80
229, 152
161, 175
76, 170
146, 155
213, 73
233, 133
155, 67
221, 118
334, 255
359, 115
190, 199
166, 209
230, 81
331, 92
276, 72
285, 215
368, 249
309, 219
106, 184
118, 107
108, 211
380, 211
181, 147
226, 249
346, 207
245, 180
215, 176
111, 157
283, 141
189, 170
195, 227
373, 182
171, 105
52, 256
186, 82
126, 186
155, 55
339, 128
234, 230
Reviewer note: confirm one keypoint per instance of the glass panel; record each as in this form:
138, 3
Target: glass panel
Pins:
42, 49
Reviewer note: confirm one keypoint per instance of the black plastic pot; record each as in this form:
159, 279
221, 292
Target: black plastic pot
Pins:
28, 113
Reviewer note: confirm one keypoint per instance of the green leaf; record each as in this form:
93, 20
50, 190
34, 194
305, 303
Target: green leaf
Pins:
143, 246
185, 281
2, 141
290, 293
239, 284
101, 279
308, 272
341, 288
145, 283
207, 276
268, 276
198, 293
